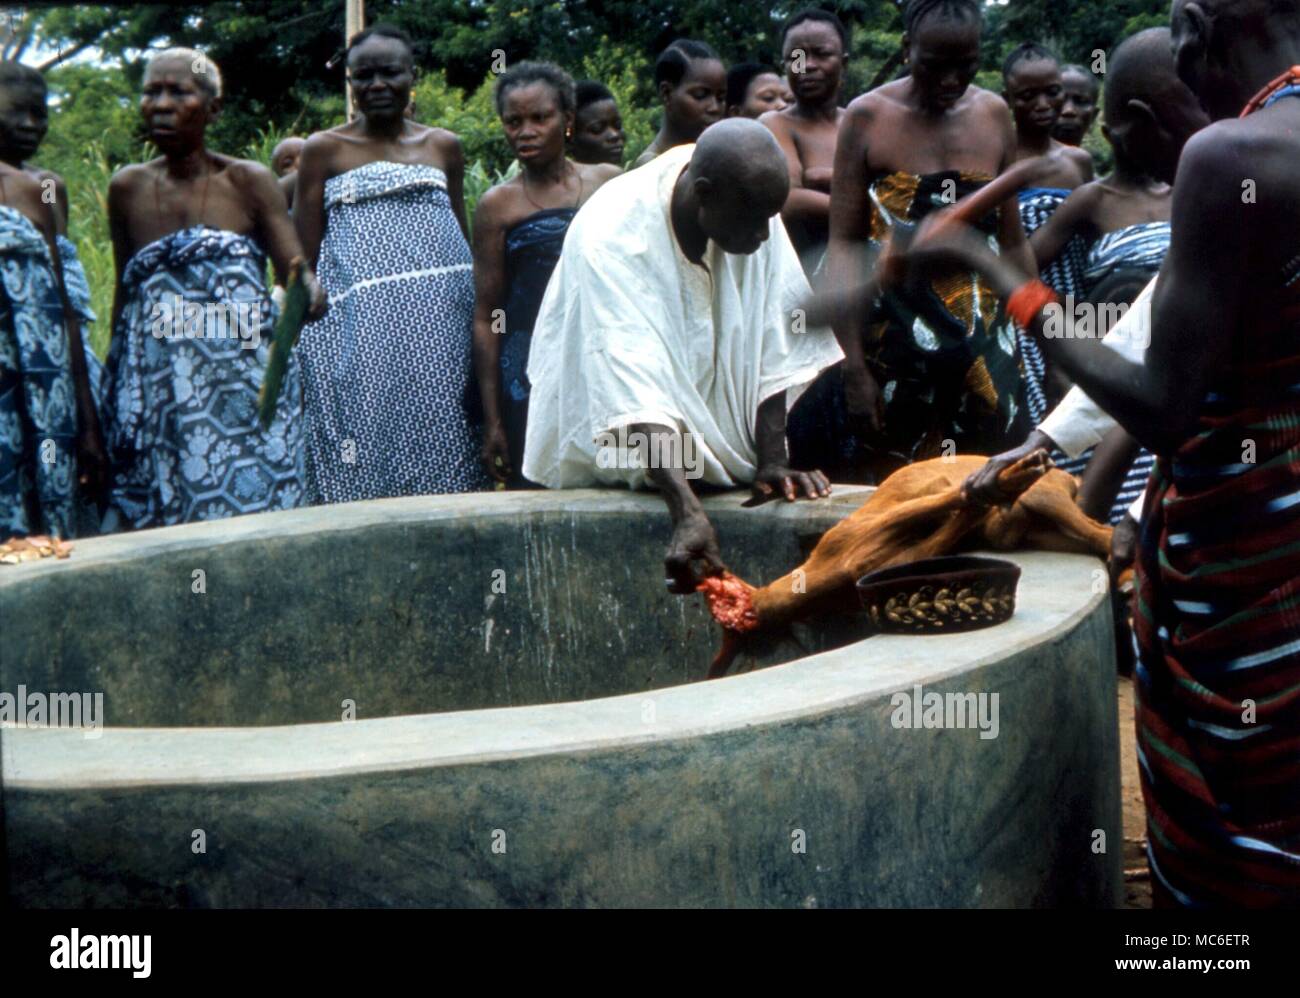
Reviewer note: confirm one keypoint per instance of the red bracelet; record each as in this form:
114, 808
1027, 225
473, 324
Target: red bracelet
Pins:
1028, 300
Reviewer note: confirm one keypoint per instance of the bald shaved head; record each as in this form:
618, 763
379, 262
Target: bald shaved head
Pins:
736, 182
1140, 68
1245, 8
284, 157
742, 152
1150, 112
1226, 50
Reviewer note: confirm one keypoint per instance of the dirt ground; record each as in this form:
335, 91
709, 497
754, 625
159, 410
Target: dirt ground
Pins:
1137, 880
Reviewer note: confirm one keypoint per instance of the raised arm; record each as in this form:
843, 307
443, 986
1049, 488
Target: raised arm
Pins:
848, 260
1197, 302
489, 325
1050, 238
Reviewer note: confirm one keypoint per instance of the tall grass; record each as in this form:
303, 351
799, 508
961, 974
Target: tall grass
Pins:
87, 179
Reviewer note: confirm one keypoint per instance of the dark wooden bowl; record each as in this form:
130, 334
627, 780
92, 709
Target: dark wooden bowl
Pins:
940, 595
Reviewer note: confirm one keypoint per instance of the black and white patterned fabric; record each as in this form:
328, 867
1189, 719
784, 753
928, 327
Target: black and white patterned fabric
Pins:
184, 371
385, 371
1134, 247
38, 408
1064, 275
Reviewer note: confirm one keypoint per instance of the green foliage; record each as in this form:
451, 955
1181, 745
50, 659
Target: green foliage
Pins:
86, 175
1103, 157
627, 73
274, 54
473, 117
92, 104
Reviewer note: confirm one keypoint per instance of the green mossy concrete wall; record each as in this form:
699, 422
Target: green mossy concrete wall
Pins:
786, 786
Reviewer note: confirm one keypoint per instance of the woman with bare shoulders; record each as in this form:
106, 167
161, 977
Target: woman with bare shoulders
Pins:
379, 201
933, 369
49, 378
519, 229
814, 49
753, 89
192, 319
691, 82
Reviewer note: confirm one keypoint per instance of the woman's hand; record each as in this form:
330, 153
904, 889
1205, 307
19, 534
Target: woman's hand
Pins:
317, 300
495, 452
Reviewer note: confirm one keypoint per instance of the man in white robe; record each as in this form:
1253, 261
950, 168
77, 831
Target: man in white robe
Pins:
670, 343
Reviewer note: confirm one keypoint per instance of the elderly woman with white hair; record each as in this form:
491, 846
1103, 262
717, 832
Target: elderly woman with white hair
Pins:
192, 319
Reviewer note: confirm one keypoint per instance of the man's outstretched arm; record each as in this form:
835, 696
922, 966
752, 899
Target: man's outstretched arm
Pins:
1195, 307
693, 536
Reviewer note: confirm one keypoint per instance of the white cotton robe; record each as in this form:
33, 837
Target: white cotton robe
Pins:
630, 331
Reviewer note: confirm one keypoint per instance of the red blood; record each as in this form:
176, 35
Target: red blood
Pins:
730, 601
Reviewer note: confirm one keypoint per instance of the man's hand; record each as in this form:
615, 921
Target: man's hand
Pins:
943, 239
862, 399
1123, 548
982, 486
774, 478
693, 540
495, 452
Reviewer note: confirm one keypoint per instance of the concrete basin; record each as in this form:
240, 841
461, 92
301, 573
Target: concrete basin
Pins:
490, 700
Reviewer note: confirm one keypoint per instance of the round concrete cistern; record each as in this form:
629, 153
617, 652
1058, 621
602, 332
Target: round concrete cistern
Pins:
488, 700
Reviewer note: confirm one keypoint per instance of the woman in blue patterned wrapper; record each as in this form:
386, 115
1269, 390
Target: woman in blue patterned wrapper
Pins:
519, 228
379, 201
41, 388
192, 319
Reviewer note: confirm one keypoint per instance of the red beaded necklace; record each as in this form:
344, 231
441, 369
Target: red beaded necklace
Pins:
1290, 78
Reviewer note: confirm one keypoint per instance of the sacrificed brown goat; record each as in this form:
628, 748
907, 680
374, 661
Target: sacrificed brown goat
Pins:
917, 512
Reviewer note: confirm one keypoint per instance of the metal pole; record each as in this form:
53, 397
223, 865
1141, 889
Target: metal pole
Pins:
354, 20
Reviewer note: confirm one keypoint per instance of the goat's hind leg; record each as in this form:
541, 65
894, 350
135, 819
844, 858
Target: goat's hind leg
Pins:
1076, 531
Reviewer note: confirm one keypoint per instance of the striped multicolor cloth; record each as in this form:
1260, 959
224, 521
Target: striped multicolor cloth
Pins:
1217, 626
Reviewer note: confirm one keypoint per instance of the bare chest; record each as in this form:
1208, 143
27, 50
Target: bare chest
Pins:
909, 143
161, 205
